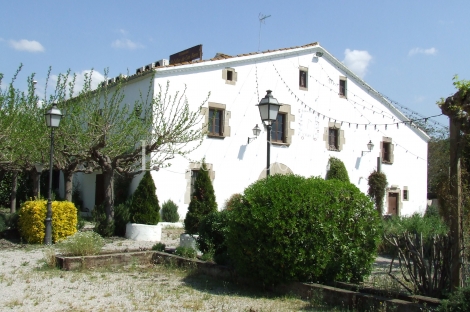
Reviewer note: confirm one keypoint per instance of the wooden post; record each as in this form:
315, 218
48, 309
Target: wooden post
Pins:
455, 203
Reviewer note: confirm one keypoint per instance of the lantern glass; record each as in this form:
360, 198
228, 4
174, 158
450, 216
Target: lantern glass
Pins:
370, 145
256, 131
53, 116
268, 108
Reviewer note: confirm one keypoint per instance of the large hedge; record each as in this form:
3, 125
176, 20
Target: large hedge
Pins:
337, 170
202, 201
144, 207
291, 228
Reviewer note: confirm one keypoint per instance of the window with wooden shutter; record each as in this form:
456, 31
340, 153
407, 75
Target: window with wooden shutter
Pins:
278, 129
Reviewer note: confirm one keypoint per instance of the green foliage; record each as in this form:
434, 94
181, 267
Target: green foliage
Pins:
170, 211
81, 244
186, 252
213, 230
459, 301
122, 217
428, 225
102, 226
24, 189
462, 85
202, 201
159, 247
377, 182
232, 201
291, 228
337, 170
3, 225
145, 208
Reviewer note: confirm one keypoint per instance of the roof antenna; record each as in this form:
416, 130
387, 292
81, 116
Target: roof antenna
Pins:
261, 18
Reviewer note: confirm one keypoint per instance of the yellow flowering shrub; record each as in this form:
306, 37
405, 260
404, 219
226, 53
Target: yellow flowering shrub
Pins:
33, 214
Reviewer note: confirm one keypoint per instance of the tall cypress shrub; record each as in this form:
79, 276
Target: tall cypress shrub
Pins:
202, 201
337, 170
145, 208
377, 183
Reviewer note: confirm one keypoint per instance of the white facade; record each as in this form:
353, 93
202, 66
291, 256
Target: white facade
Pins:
311, 107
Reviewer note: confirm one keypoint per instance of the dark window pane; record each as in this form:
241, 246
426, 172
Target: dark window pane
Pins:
342, 87
277, 131
302, 79
229, 75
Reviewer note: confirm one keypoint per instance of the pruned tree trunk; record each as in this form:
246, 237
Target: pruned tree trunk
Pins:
14, 187
456, 202
2, 175
68, 177
35, 177
108, 194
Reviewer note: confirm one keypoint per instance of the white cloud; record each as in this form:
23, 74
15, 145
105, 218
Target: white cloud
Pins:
126, 44
96, 78
27, 45
430, 51
357, 61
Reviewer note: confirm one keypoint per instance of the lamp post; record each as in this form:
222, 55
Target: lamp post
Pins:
39, 167
53, 117
268, 110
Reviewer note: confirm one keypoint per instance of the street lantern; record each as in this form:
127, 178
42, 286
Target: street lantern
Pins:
256, 132
370, 146
53, 117
268, 110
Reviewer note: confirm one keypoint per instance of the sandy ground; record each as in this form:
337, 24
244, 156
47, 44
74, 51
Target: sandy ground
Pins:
27, 285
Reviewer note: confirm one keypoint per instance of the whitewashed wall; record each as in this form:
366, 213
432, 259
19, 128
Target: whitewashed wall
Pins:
238, 164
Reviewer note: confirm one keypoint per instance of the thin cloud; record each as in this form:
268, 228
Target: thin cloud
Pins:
126, 44
430, 51
357, 61
26, 45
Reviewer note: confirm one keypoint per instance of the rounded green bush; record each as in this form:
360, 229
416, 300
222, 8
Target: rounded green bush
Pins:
337, 170
170, 211
291, 228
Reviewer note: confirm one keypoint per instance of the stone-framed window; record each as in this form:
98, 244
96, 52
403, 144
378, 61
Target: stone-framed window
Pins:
303, 78
343, 87
282, 132
334, 137
406, 193
386, 151
229, 75
217, 120
191, 174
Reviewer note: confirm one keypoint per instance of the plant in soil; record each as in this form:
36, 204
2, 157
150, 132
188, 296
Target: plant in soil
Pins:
202, 200
81, 244
145, 208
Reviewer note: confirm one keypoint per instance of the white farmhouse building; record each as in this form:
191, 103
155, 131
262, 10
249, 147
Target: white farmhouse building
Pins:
327, 111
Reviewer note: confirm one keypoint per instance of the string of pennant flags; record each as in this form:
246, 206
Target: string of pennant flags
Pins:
409, 122
389, 103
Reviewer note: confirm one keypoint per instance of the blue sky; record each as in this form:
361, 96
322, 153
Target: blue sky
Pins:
407, 50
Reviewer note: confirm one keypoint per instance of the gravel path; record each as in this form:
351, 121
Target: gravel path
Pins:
27, 285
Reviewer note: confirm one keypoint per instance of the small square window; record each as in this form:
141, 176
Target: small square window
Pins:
303, 79
333, 139
229, 75
216, 122
342, 87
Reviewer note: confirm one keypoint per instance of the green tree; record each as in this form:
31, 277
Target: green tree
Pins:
144, 207
337, 170
170, 211
377, 182
202, 200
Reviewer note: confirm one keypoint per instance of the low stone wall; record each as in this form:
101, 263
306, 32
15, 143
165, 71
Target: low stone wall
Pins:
353, 297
